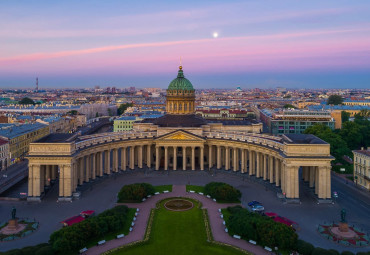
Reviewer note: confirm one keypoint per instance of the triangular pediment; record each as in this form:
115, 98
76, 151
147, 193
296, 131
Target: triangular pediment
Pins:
180, 135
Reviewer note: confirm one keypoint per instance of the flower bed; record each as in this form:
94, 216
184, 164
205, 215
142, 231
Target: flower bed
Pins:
360, 240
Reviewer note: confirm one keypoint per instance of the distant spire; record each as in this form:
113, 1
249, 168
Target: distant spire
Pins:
180, 67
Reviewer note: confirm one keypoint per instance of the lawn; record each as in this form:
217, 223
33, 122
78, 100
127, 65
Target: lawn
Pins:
178, 233
195, 188
125, 230
162, 188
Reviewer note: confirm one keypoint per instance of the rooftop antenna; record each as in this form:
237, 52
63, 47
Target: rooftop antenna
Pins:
37, 84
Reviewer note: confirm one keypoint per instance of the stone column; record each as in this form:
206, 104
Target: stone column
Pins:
82, 170
317, 180
174, 157
61, 181
192, 158
107, 161
93, 167
324, 191
251, 162
132, 157
140, 156
123, 158
156, 158
227, 158
312, 176
258, 165
282, 170
87, 169
101, 163
292, 182
265, 160
201, 158
271, 169
218, 157
31, 180
242, 169
115, 160
165, 157
67, 176
277, 171
235, 159
148, 156
210, 158
184, 158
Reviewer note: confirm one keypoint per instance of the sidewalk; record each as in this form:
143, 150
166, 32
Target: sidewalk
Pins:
218, 229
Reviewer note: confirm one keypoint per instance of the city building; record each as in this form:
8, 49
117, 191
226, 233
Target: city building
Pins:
357, 102
19, 137
228, 114
124, 123
4, 154
181, 140
294, 121
361, 167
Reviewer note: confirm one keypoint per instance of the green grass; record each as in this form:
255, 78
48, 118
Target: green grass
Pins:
162, 188
179, 233
195, 188
113, 235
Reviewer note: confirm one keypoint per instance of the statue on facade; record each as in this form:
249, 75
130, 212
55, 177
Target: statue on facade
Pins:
343, 215
14, 212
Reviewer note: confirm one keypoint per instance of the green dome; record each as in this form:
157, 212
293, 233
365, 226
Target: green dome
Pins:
180, 83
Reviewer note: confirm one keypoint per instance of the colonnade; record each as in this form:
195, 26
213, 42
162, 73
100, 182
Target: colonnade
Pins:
256, 161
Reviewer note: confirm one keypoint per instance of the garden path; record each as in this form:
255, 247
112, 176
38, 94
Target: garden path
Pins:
138, 232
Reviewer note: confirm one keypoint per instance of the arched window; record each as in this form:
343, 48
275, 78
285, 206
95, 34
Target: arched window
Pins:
180, 107
185, 107
175, 107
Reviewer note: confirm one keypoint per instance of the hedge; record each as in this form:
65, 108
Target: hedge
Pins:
262, 229
77, 236
135, 192
222, 192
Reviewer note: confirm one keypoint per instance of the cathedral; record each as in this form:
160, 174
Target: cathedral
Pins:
181, 141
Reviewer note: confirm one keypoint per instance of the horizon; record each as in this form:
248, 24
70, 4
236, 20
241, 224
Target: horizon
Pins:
247, 44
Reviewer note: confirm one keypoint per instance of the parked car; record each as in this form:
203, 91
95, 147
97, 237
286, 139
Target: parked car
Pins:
254, 202
257, 208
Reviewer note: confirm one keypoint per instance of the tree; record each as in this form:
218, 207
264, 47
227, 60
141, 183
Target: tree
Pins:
26, 100
345, 116
72, 112
97, 115
335, 100
123, 107
289, 106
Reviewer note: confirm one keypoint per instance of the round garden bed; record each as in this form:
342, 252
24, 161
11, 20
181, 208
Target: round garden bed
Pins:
178, 205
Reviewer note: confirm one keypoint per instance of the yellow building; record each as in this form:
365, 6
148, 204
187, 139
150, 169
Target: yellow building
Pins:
20, 136
361, 168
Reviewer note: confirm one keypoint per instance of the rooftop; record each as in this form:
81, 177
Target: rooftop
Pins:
363, 152
55, 138
302, 139
13, 130
173, 120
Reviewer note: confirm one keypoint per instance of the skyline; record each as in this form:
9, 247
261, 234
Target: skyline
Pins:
287, 44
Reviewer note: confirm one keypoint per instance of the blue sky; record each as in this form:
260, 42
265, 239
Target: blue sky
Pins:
262, 44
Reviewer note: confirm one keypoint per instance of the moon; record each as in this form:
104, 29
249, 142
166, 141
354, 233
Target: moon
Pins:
215, 35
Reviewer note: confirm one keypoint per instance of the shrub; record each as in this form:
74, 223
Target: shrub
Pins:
334, 252
304, 248
222, 191
363, 253
73, 238
135, 192
261, 229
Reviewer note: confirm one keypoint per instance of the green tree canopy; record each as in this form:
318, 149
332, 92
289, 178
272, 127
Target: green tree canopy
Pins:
345, 116
26, 100
289, 106
123, 107
335, 100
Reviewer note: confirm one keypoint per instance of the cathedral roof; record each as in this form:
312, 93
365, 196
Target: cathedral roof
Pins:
180, 83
